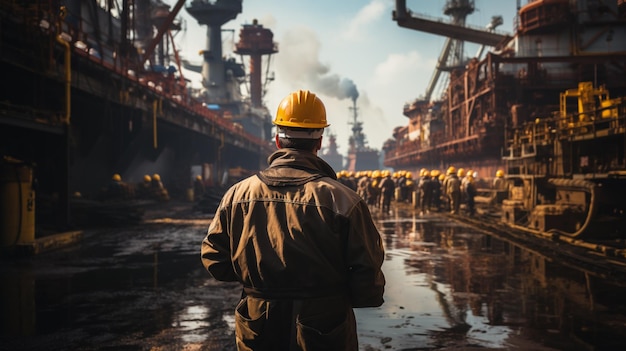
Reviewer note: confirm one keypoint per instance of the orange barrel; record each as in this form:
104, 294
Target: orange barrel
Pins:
17, 203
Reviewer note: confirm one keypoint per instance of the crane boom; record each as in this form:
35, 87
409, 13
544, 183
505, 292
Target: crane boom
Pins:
454, 31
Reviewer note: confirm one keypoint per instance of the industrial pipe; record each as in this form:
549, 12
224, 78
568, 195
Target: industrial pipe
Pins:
68, 77
155, 104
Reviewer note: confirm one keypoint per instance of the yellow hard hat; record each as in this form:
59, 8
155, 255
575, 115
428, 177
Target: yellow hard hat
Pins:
499, 173
451, 170
117, 177
198, 177
409, 175
156, 177
301, 109
461, 172
434, 173
147, 178
442, 177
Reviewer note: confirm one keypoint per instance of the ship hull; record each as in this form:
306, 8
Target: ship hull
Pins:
367, 160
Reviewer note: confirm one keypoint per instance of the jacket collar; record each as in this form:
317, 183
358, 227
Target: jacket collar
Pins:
294, 167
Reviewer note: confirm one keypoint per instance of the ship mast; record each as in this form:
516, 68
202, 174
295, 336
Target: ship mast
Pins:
357, 139
332, 149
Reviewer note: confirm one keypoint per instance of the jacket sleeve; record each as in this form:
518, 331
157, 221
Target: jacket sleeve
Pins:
365, 255
215, 252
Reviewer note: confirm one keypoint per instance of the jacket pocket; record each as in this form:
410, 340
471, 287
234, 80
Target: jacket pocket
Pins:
249, 324
337, 337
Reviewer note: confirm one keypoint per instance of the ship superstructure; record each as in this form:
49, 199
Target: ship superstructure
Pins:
93, 88
331, 154
557, 44
361, 157
223, 76
547, 107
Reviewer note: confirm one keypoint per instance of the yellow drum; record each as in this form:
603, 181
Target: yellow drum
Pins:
17, 204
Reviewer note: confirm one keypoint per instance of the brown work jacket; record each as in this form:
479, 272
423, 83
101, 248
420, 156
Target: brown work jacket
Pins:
306, 251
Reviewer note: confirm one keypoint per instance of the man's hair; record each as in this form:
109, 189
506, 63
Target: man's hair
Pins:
300, 144
306, 144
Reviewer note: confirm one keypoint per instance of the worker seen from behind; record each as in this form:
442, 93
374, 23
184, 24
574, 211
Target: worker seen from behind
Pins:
453, 190
144, 189
400, 182
387, 189
362, 186
470, 193
436, 179
500, 188
159, 192
116, 189
444, 186
410, 186
425, 191
461, 175
303, 245
374, 188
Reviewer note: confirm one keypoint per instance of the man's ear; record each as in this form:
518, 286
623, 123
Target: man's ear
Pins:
278, 146
318, 146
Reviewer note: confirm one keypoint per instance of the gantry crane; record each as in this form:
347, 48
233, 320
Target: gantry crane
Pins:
456, 32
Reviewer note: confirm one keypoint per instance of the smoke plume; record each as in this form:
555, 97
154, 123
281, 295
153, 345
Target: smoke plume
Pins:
299, 63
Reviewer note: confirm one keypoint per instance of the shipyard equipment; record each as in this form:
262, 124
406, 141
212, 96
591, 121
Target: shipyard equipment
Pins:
546, 105
100, 85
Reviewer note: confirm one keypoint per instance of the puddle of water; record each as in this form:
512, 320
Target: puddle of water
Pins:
449, 286
191, 322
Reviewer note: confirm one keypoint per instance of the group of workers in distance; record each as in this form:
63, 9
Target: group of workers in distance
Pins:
432, 191
151, 188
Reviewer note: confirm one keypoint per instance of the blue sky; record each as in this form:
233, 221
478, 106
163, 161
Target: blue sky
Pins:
326, 41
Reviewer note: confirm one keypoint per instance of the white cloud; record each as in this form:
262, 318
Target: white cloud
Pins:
401, 77
399, 68
368, 14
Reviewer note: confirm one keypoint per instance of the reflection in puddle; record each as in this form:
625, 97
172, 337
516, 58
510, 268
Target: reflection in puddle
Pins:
451, 286
192, 322
229, 319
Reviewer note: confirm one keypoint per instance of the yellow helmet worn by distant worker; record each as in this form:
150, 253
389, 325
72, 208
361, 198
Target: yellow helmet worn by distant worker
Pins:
499, 173
301, 109
461, 173
147, 178
451, 170
117, 177
156, 177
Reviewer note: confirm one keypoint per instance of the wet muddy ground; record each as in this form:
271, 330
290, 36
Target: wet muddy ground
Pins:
449, 287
